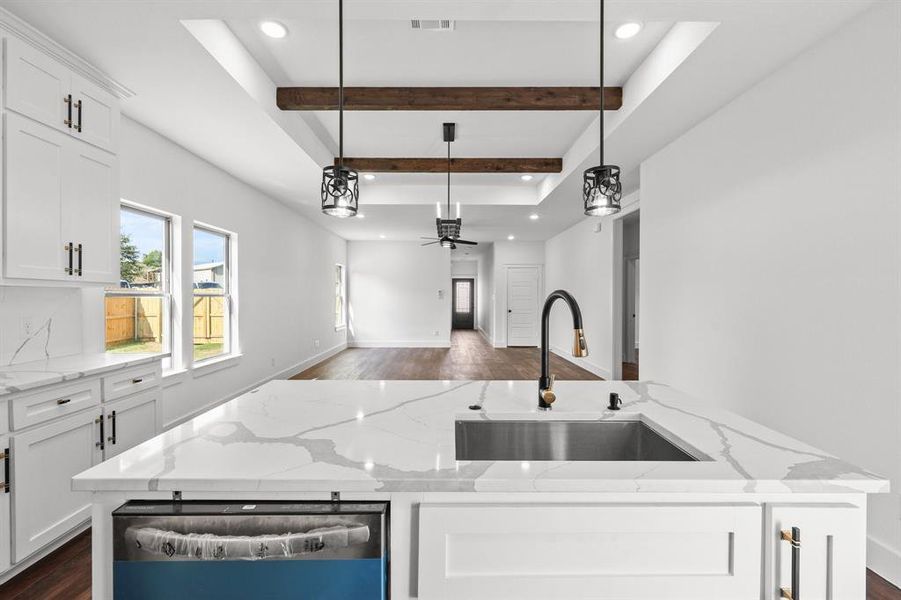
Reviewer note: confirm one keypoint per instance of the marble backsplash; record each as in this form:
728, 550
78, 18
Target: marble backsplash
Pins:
38, 323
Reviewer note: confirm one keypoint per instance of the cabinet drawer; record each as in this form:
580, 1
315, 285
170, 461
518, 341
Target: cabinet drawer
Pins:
56, 401
129, 381
622, 551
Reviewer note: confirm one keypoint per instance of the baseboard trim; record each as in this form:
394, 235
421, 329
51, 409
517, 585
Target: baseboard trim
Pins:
485, 335
884, 561
283, 374
25, 564
583, 363
400, 344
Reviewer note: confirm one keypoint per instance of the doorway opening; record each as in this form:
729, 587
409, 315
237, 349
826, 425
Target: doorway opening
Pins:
631, 235
463, 302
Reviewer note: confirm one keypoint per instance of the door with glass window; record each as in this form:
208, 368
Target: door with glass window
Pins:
463, 301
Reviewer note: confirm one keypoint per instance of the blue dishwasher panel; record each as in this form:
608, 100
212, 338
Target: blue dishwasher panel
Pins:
302, 550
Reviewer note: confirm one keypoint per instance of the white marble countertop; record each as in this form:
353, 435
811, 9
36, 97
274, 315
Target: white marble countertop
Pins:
30, 375
398, 436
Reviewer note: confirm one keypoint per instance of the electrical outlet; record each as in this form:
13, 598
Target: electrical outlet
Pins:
27, 326
272, 361
316, 344
436, 333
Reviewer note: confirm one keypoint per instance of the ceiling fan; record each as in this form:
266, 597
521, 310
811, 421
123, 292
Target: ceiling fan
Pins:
448, 229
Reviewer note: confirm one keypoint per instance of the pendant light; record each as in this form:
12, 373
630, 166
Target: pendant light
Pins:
602, 189
340, 185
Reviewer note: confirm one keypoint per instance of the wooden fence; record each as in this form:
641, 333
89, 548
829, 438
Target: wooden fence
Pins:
141, 319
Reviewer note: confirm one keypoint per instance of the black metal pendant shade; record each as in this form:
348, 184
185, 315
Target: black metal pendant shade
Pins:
340, 191
602, 188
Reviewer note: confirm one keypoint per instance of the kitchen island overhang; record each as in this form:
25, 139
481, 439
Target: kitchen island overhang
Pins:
394, 441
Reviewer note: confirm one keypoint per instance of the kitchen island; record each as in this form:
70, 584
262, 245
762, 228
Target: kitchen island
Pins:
709, 526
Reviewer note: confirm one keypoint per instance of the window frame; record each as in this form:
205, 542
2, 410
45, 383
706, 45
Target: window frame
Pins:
166, 274
229, 295
342, 293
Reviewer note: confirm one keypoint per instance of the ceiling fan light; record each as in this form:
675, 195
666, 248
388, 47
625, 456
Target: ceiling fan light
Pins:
602, 190
340, 193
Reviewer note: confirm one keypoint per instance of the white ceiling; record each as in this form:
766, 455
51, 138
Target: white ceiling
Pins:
692, 57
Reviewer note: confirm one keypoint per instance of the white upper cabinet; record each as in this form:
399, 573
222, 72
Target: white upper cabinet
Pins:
91, 213
95, 114
61, 194
43, 89
35, 158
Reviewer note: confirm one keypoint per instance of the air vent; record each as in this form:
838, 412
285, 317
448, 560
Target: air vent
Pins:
433, 24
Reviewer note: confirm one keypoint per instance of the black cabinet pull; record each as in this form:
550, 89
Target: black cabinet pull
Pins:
62, 401
137, 380
80, 251
68, 120
100, 444
68, 248
78, 106
794, 538
6, 456
112, 418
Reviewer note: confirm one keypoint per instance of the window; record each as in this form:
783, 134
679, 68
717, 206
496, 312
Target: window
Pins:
213, 313
340, 297
137, 311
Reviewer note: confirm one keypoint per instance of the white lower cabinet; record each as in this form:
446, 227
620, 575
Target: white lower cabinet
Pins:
623, 551
130, 421
831, 554
44, 460
4, 505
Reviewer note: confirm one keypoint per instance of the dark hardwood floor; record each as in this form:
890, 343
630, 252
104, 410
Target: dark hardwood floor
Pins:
469, 357
630, 371
66, 575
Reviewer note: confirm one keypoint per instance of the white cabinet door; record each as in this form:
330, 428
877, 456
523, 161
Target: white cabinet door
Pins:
96, 116
5, 542
130, 421
35, 165
90, 211
44, 460
37, 86
593, 551
832, 551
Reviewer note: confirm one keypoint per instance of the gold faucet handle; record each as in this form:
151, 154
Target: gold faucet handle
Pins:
548, 394
580, 347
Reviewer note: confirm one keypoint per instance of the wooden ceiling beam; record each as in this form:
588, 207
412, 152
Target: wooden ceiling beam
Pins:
457, 165
449, 98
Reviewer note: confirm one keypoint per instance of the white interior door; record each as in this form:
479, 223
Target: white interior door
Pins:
522, 306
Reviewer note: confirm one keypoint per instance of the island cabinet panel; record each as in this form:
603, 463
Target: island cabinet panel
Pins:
832, 551
44, 460
623, 551
5, 543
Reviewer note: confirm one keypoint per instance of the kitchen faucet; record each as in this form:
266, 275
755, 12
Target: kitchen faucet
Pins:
546, 395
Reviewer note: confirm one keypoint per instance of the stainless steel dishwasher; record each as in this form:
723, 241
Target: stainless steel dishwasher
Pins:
261, 550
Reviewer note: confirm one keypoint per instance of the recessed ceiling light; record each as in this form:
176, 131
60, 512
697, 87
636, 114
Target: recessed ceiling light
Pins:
274, 29
382, 236
627, 30
511, 237
534, 216
526, 178
361, 216
368, 176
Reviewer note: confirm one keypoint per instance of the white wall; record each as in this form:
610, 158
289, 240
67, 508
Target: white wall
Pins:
285, 269
393, 294
580, 261
771, 257
509, 254
486, 293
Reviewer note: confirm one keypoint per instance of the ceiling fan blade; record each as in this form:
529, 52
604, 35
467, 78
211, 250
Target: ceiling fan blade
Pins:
468, 243
422, 237
429, 243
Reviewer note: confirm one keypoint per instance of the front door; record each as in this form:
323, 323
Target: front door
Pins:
463, 301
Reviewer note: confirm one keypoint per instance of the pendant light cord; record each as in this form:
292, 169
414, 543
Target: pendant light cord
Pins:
602, 85
340, 86
448, 180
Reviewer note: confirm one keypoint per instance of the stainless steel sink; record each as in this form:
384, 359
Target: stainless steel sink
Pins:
564, 440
